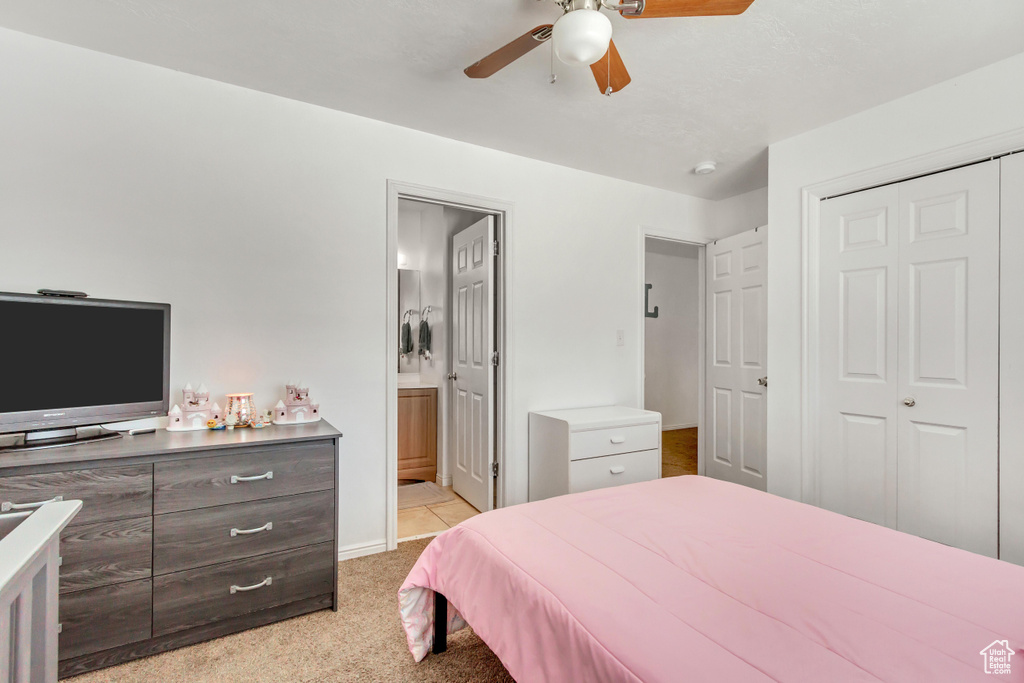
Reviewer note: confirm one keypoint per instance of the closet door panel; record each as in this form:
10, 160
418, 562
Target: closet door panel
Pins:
1011, 358
949, 357
857, 346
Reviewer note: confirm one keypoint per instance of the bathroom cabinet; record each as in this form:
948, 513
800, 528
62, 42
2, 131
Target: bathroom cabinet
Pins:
417, 433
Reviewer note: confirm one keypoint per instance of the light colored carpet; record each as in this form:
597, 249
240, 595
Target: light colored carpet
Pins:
678, 452
364, 641
423, 493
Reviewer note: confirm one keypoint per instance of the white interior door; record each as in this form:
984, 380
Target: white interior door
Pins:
949, 358
736, 409
472, 377
858, 312
908, 381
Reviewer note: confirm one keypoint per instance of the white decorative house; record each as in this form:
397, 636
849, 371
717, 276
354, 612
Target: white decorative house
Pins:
297, 407
194, 412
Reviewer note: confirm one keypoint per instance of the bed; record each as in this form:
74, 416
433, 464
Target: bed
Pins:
694, 579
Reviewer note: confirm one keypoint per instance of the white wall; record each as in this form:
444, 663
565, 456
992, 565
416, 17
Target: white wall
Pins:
672, 340
741, 213
983, 103
263, 222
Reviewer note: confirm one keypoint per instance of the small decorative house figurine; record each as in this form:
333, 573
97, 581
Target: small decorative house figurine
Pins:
195, 411
297, 407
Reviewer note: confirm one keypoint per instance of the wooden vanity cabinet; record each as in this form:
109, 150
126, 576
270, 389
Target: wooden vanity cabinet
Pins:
417, 433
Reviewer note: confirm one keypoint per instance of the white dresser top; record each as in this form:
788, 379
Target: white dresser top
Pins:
580, 419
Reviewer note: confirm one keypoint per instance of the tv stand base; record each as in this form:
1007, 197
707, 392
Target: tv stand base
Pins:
55, 438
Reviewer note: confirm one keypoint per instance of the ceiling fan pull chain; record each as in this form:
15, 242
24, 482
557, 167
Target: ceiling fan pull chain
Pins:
554, 77
608, 90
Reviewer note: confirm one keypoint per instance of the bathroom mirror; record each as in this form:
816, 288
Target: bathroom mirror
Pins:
408, 312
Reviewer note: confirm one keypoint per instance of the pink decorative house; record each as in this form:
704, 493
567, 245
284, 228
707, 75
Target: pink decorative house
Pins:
297, 407
195, 410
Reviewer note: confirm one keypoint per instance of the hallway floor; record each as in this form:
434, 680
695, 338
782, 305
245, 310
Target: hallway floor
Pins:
430, 520
678, 452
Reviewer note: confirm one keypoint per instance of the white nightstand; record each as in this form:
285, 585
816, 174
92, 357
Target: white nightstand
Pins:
590, 448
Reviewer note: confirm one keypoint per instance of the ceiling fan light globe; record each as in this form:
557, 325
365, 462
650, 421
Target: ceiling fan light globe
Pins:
581, 37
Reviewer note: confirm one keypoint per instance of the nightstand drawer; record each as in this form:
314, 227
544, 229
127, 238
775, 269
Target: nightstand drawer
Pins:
202, 596
250, 474
196, 538
106, 493
614, 470
599, 442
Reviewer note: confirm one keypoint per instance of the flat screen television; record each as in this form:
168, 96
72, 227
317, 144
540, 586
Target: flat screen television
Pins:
71, 362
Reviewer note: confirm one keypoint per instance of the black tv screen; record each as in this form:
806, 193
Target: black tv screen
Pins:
70, 361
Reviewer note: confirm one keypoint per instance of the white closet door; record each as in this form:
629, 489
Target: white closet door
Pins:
1011, 359
736, 402
857, 346
949, 357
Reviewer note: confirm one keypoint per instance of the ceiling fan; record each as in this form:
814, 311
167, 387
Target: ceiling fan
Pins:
583, 35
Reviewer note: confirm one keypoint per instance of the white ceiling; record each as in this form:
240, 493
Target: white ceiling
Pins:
718, 88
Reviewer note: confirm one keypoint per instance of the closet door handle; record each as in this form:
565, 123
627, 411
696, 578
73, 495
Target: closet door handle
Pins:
618, 439
618, 469
8, 506
909, 402
236, 479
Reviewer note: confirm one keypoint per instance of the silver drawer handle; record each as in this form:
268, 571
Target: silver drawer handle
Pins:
235, 478
618, 439
242, 532
241, 589
618, 469
8, 506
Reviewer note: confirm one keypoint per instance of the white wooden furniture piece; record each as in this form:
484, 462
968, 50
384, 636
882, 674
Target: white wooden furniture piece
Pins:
29, 562
582, 449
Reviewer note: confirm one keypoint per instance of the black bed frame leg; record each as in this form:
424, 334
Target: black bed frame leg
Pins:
440, 623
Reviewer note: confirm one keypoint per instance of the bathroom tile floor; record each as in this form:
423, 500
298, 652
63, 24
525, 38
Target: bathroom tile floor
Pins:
430, 520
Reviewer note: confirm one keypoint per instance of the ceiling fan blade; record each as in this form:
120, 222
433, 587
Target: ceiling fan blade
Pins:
503, 56
610, 71
659, 9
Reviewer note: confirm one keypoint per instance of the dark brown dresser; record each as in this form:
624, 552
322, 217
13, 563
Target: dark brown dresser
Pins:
184, 537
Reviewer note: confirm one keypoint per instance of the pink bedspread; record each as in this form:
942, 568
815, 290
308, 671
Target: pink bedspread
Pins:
691, 579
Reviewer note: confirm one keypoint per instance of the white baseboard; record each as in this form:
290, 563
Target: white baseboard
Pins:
668, 428
416, 538
360, 549
443, 481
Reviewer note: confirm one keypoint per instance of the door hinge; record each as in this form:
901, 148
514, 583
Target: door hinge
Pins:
494, 469
495, 358
494, 248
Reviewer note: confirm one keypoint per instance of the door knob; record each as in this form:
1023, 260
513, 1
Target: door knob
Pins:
909, 402
453, 376
762, 382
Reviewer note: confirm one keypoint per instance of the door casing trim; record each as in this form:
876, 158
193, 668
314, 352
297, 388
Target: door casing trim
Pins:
503, 390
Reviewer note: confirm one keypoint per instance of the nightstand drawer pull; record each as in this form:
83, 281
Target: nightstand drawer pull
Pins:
241, 589
618, 439
235, 478
8, 506
244, 532
618, 469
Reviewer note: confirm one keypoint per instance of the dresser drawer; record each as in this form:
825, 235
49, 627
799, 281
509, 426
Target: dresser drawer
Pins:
102, 618
106, 552
249, 474
106, 493
201, 596
598, 442
614, 470
195, 538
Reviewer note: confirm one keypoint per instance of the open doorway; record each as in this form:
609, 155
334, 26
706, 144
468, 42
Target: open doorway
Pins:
673, 352
445, 383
